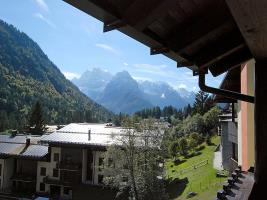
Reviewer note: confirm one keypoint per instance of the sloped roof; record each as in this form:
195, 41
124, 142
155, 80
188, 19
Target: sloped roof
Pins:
35, 151
19, 139
100, 135
16, 146
10, 148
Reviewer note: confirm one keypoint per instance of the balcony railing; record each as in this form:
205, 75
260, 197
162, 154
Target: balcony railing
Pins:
24, 177
52, 181
69, 165
63, 180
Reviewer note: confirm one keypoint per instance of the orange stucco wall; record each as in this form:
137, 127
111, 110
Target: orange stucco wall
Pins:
247, 116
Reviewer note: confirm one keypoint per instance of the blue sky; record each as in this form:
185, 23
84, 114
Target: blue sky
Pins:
74, 41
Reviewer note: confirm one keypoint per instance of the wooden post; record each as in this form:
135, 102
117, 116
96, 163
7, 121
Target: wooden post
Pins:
260, 128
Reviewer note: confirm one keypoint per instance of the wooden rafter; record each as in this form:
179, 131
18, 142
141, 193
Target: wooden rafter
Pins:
251, 18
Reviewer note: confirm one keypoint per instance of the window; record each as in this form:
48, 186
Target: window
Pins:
42, 187
101, 163
100, 178
55, 172
43, 171
66, 190
56, 157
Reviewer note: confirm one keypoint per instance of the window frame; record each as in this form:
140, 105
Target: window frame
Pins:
56, 157
42, 187
55, 171
41, 171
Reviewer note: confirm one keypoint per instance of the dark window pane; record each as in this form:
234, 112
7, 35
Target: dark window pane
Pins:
100, 178
66, 190
56, 157
42, 187
55, 172
43, 171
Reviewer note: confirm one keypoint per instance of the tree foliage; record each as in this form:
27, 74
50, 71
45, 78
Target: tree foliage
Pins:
136, 156
36, 122
203, 102
27, 75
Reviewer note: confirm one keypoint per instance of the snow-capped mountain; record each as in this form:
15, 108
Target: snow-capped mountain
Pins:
92, 83
122, 93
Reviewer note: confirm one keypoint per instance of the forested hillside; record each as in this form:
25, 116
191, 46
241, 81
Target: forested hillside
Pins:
27, 75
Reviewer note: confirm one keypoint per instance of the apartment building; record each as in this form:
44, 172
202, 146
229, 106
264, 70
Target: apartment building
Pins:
237, 126
53, 164
19, 155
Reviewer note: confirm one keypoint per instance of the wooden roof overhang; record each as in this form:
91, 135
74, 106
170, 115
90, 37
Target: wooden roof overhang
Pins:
199, 34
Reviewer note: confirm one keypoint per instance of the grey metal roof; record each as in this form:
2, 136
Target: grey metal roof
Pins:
100, 135
20, 139
11, 148
35, 151
79, 138
16, 139
16, 146
84, 127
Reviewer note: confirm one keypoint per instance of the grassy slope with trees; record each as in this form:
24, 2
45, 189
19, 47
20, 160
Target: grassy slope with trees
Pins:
187, 142
28, 76
202, 180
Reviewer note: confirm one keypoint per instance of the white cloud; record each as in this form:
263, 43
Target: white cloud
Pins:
125, 64
70, 75
140, 78
162, 71
106, 47
42, 18
163, 96
182, 86
42, 5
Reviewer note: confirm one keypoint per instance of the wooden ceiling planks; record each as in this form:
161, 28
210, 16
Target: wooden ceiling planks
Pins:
202, 33
251, 18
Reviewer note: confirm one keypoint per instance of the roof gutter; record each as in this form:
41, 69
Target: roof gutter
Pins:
221, 92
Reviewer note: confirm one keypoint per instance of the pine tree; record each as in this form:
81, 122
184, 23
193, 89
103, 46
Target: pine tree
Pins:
36, 119
203, 103
4, 123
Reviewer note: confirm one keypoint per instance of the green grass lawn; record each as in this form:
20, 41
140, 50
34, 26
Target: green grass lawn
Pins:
202, 180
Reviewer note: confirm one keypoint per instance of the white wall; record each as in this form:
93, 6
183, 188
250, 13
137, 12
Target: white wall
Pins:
49, 169
7, 172
96, 172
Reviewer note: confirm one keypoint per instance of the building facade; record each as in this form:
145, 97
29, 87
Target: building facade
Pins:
237, 127
54, 164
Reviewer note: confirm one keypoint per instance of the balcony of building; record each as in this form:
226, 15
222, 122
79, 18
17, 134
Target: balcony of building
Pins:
70, 165
67, 178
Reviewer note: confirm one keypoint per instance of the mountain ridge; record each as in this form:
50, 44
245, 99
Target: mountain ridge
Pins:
27, 75
150, 93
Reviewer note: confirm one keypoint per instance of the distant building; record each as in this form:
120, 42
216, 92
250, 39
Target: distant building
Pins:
228, 145
54, 164
237, 127
19, 155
